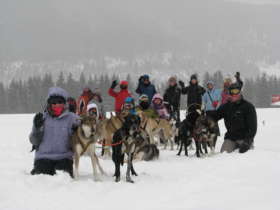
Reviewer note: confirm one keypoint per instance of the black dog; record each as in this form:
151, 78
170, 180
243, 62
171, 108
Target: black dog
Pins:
126, 140
186, 129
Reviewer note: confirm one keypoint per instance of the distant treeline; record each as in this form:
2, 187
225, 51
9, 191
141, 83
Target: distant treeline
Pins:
29, 96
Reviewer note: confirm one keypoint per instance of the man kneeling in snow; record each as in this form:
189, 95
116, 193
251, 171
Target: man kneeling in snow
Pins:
240, 120
51, 135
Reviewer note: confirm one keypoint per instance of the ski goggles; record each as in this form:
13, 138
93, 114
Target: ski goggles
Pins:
234, 91
145, 99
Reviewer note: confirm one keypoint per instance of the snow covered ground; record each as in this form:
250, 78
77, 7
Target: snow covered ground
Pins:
223, 181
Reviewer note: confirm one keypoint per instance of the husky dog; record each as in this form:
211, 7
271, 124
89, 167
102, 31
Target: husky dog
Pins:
174, 132
84, 140
107, 128
205, 134
157, 127
148, 152
127, 140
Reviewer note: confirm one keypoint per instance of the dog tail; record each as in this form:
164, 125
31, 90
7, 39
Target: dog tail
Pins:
149, 152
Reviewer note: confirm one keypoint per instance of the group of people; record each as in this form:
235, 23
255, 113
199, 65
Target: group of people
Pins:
52, 129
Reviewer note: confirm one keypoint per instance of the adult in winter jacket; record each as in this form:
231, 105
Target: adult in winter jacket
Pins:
119, 96
240, 120
51, 135
225, 92
211, 99
194, 91
145, 107
145, 87
172, 97
159, 107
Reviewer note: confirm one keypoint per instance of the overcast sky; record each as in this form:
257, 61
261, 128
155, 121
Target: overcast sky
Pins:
259, 1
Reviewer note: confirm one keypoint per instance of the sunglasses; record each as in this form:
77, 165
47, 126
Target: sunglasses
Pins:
234, 91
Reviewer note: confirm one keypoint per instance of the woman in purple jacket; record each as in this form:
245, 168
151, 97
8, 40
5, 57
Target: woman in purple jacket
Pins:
51, 135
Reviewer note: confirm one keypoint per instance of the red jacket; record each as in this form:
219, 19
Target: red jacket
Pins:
119, 98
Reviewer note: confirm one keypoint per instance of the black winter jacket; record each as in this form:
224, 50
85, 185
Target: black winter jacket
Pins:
240, 120
172, 95
195, 93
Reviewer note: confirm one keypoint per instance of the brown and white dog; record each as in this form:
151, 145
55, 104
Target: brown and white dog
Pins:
84, 143
158, 127
106, 130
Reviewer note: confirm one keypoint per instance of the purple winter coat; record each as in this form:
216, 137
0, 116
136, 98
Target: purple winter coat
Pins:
56, 132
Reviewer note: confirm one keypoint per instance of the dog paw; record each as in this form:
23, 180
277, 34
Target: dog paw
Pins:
129, 180
118, 179
134, 174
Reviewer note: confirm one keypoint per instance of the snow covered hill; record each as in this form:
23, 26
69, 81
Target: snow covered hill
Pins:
224, 181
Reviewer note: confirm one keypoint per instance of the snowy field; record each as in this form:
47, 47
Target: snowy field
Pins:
224, 181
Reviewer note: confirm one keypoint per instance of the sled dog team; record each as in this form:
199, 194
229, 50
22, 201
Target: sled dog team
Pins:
68, 129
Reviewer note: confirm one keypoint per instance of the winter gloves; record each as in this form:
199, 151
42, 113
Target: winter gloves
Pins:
237, 75
114, 84
38, 120
182, 84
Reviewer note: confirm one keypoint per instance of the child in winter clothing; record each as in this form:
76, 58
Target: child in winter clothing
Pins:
97, 99
119, 96
92, 110
159, 107
129, 106
51, 135
144, 106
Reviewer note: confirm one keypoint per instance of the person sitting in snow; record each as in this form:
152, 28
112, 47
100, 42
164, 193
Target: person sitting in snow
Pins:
129, 106
144, 107
159, 107
240, 120
51, 135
